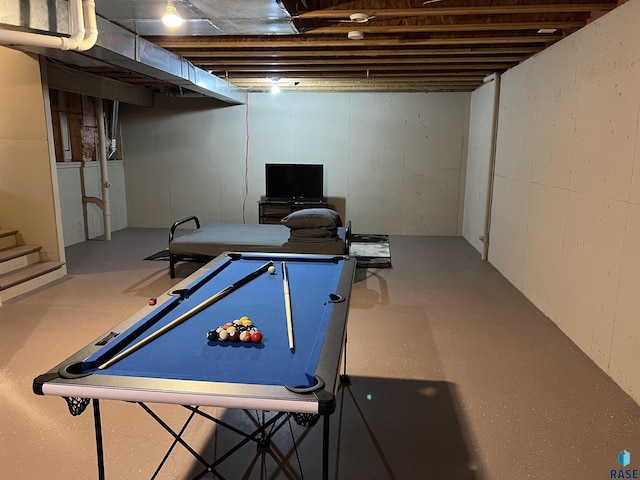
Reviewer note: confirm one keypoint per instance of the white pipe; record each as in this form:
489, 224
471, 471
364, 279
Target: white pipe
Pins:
76, 19
104, 174
91, 25
492, 163
113, 132
81, 38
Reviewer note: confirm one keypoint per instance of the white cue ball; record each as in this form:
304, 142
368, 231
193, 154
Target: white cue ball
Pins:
272, 269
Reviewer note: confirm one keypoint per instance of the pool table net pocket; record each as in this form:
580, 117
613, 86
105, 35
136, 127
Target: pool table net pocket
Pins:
76, 405
306, 419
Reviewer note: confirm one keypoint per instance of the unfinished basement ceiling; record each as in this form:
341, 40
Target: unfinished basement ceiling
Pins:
445, 45
201, 17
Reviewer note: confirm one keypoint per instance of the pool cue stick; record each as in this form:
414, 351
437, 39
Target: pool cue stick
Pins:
185, 316
287, 304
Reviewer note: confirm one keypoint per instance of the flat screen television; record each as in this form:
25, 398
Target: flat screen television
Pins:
298, 182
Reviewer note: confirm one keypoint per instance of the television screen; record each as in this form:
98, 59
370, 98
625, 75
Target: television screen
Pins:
286, 181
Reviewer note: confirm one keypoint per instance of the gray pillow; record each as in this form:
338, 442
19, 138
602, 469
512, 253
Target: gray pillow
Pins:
312, 218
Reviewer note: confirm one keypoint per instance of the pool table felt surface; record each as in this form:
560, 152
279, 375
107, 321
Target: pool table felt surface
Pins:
185, 354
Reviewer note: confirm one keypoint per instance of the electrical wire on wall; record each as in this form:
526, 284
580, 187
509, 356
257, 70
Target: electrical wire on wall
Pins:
246, 164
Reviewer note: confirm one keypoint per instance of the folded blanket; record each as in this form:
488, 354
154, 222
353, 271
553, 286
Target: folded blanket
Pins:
321, 233
313, 240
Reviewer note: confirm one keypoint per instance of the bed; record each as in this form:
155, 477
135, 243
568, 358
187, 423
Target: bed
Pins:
313, 231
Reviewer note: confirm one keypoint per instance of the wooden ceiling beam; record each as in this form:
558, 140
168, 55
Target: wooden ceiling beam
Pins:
363, 86
509, 50
303, 62
460, 79
363, 74
455, 11
380, 81
293, 71
371, 88
406, 75
371, 68
390, 82
445, 28
241, 43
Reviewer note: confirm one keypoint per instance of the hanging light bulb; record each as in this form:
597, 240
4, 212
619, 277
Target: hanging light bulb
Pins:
171, 17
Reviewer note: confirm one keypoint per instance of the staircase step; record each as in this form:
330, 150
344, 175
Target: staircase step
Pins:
27, 273
8, 238
18, 251
5, 232
17, 257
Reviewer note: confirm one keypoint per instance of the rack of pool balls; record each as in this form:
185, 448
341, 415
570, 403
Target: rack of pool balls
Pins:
240, 330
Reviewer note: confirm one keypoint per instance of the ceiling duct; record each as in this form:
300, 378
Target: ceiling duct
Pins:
83, 36
117, 47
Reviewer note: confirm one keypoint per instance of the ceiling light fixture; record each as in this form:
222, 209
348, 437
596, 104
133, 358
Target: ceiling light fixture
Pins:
547, 30
359, 17
355, 35
275, 88
171, 17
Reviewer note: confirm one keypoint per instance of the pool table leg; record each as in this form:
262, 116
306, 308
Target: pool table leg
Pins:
98, 428
325, 447
344, 378
172, 266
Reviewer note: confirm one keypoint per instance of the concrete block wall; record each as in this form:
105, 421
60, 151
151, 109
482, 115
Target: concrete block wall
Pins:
565, 224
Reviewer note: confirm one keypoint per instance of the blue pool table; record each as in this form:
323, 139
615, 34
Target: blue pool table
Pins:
182, 366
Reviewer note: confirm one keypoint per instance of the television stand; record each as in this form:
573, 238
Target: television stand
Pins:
272, 211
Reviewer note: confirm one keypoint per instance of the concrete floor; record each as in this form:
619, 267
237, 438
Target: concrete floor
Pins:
454, 375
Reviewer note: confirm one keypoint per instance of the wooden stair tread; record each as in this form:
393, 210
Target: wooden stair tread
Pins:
4, 232
17, 251
29, 272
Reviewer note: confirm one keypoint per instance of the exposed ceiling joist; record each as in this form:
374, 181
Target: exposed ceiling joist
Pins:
463, 10
209, 44
449, 45
448, 28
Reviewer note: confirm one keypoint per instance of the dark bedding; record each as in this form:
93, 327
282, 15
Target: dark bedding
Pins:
211, 240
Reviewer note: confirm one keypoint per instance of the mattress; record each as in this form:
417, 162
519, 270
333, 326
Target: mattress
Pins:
213, 239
